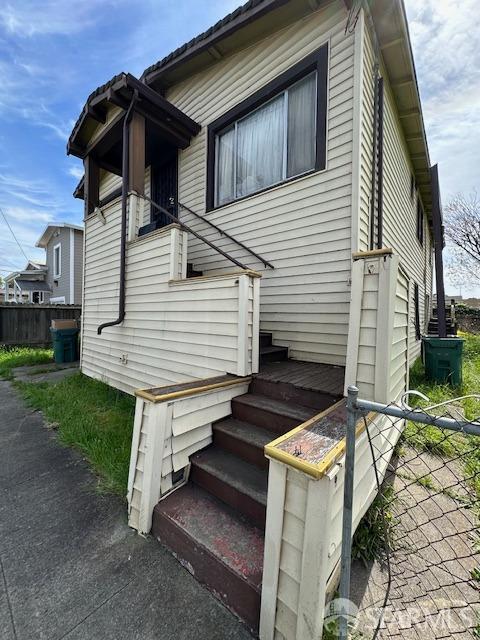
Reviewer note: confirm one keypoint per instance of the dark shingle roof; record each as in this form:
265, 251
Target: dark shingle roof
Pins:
94, 93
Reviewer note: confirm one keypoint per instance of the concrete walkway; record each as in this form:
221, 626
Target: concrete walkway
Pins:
69, 565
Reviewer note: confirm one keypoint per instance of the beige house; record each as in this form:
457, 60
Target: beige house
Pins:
258, 234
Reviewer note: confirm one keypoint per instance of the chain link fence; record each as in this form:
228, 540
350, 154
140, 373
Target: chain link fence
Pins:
414, 568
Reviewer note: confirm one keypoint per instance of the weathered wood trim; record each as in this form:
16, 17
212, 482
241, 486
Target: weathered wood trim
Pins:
242, 344
152, 473
357, 255
353, 340
136, 172
256, 326
137, 429
315, 569
387, 291
277, 483
318, 470
174, 253
189, 388
155, 234
91, 188
218, 276
358, 71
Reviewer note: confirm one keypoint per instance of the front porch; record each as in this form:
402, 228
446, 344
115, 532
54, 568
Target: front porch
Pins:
212, 512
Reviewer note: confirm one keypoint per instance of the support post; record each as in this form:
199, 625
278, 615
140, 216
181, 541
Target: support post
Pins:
91, 188
136, 172
346, 558
438, 241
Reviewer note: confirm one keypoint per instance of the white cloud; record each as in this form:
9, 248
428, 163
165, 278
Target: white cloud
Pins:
445, 38
75, 172
51, 17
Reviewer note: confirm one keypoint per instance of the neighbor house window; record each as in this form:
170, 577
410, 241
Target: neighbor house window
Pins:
57, 261
275, 135
420, 224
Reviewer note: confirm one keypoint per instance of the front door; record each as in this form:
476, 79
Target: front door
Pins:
164, 190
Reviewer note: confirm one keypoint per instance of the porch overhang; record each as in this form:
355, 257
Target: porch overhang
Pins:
98, 130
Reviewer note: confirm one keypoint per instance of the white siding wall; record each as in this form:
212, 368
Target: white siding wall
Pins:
303, 227
165, 435
173, 331
378, 338
399, 209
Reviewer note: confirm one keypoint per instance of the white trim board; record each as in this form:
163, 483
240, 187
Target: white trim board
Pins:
72, 266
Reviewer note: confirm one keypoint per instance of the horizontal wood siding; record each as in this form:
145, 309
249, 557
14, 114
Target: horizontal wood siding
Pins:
172, 332
384, 433
185, 426
303, 227
399, 209
291, 554
399, 363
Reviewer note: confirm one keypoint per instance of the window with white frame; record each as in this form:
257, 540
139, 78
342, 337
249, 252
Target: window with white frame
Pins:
57, 260
277, 134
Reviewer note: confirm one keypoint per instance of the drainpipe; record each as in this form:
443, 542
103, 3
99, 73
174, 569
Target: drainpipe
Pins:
123, 238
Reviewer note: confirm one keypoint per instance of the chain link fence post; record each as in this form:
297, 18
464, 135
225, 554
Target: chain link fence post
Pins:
346, 560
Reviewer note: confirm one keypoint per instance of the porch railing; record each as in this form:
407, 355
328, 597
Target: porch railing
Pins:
213, 246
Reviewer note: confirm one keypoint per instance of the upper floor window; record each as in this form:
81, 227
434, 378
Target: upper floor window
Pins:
57, 260
420, 221
277, 134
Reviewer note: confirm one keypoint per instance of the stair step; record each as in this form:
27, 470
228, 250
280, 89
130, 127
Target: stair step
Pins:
234, 481
265, 339
269, 413
273, 354
243, 439
288, 392
222, 551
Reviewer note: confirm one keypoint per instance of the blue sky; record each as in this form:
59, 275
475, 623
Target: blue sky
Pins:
54, 53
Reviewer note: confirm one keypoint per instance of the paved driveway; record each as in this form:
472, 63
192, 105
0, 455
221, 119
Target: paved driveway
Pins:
69, 565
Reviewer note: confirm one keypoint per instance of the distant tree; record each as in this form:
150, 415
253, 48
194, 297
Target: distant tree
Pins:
462, 228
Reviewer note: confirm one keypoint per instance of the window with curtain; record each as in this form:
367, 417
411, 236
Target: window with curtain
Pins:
273, 143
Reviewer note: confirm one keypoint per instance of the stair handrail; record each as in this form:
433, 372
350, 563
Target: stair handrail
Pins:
227, 235
190, 230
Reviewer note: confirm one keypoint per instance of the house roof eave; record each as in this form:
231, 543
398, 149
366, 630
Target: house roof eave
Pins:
49, 230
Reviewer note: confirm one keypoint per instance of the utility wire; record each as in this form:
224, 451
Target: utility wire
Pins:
14, 236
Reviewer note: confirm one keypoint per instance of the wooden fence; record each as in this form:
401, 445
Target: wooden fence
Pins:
29, 324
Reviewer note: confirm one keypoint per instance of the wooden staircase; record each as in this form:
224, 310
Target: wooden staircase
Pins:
215, 524
433, 323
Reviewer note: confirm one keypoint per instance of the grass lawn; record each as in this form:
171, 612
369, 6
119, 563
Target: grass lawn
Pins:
21, 356
369, 540
87, 415
426, 438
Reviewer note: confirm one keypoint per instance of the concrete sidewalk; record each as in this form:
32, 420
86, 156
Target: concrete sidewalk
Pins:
69, 565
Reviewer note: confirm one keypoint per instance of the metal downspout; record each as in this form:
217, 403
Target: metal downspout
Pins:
123, 238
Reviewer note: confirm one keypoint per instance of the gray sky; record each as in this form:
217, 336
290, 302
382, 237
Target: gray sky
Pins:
446, 45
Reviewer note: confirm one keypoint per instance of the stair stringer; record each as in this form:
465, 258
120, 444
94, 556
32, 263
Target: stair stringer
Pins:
165, 434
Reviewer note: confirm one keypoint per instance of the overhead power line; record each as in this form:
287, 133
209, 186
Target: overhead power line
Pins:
11, 231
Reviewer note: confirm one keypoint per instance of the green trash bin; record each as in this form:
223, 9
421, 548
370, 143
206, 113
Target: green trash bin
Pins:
443, 359
65, 345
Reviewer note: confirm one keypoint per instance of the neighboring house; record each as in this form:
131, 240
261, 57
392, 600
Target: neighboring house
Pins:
29, 285
270, 243
63, 244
